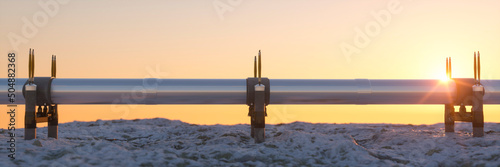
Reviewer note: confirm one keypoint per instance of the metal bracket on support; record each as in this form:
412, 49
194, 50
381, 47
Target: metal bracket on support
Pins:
463, 98
37, 92
470, 92
258, 93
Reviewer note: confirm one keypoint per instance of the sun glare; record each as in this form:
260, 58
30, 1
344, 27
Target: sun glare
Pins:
444, 79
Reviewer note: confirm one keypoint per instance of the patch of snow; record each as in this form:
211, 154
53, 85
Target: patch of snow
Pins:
162, 142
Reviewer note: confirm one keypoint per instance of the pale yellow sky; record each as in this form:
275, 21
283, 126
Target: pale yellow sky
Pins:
218, 39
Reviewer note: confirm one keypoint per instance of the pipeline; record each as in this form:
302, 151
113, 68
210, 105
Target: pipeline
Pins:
233, 91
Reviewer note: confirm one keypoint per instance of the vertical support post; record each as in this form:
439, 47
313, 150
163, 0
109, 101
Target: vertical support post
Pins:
30, 112
252, 120
477, 100
477, 111
30, 100
258, 93
53, 121
251, 106
449, 109
449, 120
260, 113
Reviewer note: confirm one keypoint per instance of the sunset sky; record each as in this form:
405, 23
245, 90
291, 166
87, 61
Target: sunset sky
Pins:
299, 39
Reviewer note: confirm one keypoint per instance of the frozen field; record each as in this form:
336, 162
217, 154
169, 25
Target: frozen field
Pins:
162, 142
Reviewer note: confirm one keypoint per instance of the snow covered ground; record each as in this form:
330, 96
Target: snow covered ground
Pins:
162, 142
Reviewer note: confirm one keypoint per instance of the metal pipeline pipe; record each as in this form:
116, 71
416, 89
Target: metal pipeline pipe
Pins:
233, 91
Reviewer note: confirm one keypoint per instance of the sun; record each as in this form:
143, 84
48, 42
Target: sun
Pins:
444, 79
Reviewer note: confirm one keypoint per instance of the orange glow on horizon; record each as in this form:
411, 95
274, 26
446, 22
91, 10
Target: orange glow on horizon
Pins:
298, 39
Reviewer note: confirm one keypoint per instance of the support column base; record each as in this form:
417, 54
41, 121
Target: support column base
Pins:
477, 131
252, 131
252, 128
29, 133
53, 131
449, 128
260, 135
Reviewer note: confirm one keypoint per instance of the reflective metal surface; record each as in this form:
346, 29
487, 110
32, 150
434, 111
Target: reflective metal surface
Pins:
412, 92
361, 91
233, 91
149, 91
